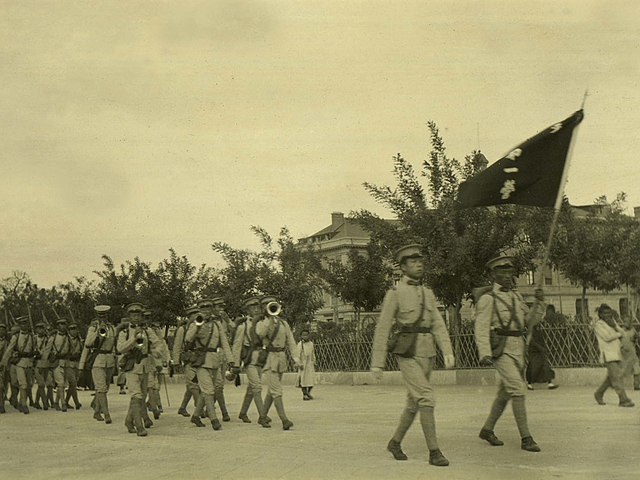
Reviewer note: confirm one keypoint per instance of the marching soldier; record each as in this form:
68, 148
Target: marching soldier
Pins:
99, 355
161, 360
207, 336
276, 335
59, 350
71, 371
225, 321
11, 371
191, 381
20, 353
42, 370
413, 309
121, 379
137, 343
4, 342
502, 318
246, 351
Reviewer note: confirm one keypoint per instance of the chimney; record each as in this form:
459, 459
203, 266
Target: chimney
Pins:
337, 219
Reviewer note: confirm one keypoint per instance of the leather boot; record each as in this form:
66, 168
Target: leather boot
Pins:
36, 403
104, 403
219, 397
244, 408
128, 421
396, 450
490, 437
23, 401
286, 423
74, 394
209, 403
268, 400
529, 444
50, 397
437, 459
138, 405
97, 408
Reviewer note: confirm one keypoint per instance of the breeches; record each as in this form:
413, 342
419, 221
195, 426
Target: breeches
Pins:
153, 384
274, 383
254, 379
206, 379
22, 377
511, 372
416, 373
64, 376
101, 378
44, 377
190, 377
218, 379
137, 383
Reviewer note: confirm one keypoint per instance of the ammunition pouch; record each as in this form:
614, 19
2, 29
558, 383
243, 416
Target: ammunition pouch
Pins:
262, 357
402, 344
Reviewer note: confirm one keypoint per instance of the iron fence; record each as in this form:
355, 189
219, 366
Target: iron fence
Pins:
568, 345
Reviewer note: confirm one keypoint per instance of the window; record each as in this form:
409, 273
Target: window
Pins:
531, 279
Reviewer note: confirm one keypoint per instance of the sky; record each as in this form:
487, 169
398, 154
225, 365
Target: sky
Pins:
129, 128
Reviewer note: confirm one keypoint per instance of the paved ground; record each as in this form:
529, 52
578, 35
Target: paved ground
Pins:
341, 434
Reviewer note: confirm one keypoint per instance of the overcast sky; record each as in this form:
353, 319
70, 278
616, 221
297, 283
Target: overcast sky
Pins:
132, 127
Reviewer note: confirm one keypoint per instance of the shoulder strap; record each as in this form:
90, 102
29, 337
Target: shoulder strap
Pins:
273, 335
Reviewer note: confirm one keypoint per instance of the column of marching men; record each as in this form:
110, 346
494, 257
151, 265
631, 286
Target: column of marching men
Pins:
208, 345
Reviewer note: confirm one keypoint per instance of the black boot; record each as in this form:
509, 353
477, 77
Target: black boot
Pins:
396, 450
437, 458
529, 444
490, 437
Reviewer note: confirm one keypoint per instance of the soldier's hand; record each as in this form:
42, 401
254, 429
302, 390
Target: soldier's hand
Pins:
539, 294
158, 368
300, 367
449, 361
377, 373
486, 362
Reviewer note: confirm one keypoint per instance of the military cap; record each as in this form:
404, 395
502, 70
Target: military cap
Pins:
134, 307
413, 250
2, 325
146, 312
73, 325
268, 298
102, 308
251, 301
15, 329
191, 310
61, 321
22, 319
40, 325
501, 261
205, 302
217, 301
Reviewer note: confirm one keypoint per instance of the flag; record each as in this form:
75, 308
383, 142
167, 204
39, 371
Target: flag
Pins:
530, 174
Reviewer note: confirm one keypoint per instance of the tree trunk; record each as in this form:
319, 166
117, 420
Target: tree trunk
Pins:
584, 315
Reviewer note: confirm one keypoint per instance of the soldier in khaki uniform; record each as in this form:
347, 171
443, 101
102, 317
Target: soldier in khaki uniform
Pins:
276, 335
160, 360
72, 371
137, 342
414, 310
246, 349
503, 315
42, 370
190, 378
59, 349
4, 342
208, 337
100, 346
20, 353
225, 321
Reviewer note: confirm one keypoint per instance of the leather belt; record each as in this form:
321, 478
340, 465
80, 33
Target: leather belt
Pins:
510, 333
415, 329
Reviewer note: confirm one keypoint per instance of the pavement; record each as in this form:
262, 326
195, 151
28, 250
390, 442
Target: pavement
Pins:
341, 434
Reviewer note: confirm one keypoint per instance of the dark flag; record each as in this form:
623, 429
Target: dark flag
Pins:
531, 174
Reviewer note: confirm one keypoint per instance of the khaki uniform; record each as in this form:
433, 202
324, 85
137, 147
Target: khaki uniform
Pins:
190, 378
247, 339
3, 376
19, 354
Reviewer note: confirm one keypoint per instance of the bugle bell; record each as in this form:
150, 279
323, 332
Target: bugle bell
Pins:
102, 331
229, 375
139, 339
199, 320
273, 309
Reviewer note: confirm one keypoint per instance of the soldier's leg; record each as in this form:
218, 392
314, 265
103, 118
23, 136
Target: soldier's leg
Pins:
58, 376
71, 374
99, 376
144, 386
21, 375
616, 378
40, 391
2, 388
30, 382
50, 383
218, 383
206, 382
275, 389
137, 389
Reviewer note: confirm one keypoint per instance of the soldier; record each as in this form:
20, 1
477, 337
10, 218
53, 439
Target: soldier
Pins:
11, 371
20, 353
225, 321
414, 310
207, 337
191, 381
160, 361
502, 318
276, 335
59, 348
137, 343
99, 355
121, 380
246, 351
4, 342
72, 371
42, 369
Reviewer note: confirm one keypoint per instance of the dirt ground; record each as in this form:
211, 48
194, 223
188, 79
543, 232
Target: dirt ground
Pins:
342, 434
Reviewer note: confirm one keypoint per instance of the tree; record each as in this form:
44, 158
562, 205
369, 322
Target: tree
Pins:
457, 242
363, 280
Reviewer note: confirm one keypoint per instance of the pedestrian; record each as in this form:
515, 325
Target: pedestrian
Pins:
502, 317
609, 334
306, 364
411, 309
538, 366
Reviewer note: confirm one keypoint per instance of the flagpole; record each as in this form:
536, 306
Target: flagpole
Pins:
558, 204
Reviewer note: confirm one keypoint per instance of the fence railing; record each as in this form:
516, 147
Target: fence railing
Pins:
568, 345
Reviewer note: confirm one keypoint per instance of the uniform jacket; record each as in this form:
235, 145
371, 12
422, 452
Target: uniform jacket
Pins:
277, 361
307, 358
163, 356
246, 336
405, 304
42, 346
60, 348
127, 344
178, 343
106, 345
494, 310
219, 340
24, 344
608, 341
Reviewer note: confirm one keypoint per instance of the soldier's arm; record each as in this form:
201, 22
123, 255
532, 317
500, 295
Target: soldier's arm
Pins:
225, 343
238, 341
7, 352
92, 334
124, 344
177, 344
157, 349
438, 327
381, 335
484, 311
192, 331
262, 327
291, 344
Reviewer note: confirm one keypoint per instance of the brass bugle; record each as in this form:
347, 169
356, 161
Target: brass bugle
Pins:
199, 320
273, 309
102, 331
139, 339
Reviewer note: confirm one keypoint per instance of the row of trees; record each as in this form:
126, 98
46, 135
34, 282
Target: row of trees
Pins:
601, 251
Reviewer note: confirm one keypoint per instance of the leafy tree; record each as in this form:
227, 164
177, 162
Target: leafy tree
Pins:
457, 242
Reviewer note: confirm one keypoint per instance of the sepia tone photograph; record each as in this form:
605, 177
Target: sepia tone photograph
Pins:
357, 239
